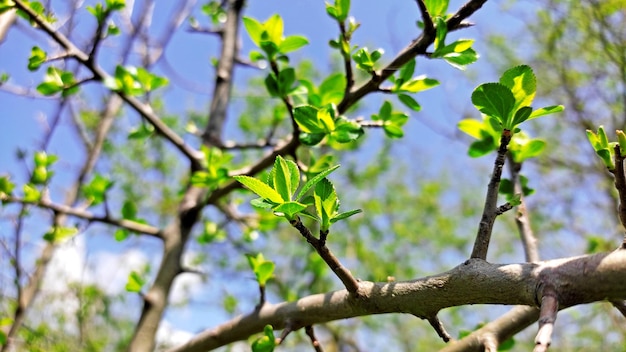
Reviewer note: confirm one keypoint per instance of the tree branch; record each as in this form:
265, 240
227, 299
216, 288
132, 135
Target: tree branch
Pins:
351, 284
417, 47
473, 282
481, 245
144, 110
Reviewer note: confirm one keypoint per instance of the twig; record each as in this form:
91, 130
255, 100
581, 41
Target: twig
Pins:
428, 21
620, 185
503, 208
99, 74
522, 219
351, 284
481, 245
547, 317
436, 323
314, 341
415, 48
86, 215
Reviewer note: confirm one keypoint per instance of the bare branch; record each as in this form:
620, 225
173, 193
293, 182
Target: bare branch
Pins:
314, 341
547, 317
522, 219
86, 215
436, 323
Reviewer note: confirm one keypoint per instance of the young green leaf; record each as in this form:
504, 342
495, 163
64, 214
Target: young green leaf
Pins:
58, 234
6, 186
265, 343
409, 102
494, 99
345, 215
418, 84
37, 57
546, 111
522, 83
260, 188
135, 282
254, 29
95, 190
31, 194
326, 202
621, 140
314, 180
437, 7
292, 43
289, 209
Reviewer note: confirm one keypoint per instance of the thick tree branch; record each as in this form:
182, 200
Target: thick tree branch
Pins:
577, 280
221, 95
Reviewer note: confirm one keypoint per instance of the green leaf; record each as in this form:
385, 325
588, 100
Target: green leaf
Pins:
135, 282
115, 5
621, 140
142, 132
59, 234
409, 102
345, 215
289, 209
95, 190
522, 83
460, 60
6, 186
529, 150
436, 7
311, 139
496, 100
522, 115
211, 233
306, 118
442, 31
37, 57
332, 89
472, 127
260, 188
31, 194
393, 131
274, 28
347, 131
282, 178
292, 43
121, 235
150, 81
314, 180
406, 71
418, 84
546, 111
482, 147
265, 343
254, 29
326, 202
129, 210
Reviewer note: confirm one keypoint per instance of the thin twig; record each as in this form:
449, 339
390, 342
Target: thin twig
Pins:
349, 281
481, 245
620, 185
522, 219
314, 341
436, 323
547, 317
428, 21
86, 215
